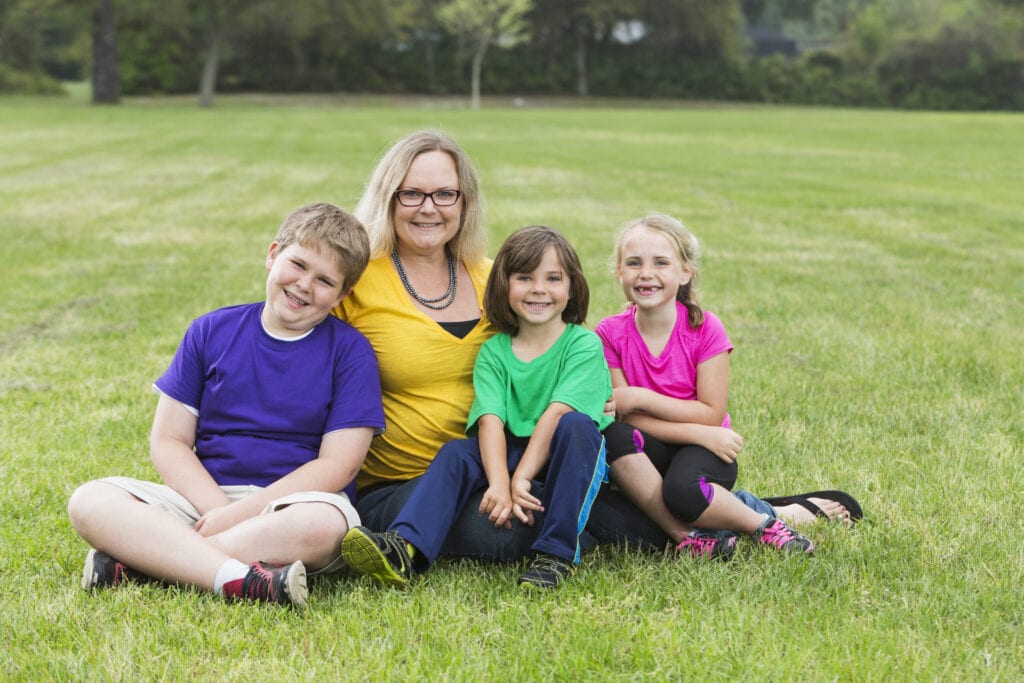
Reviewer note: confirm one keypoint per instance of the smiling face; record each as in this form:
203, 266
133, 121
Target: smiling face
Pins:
651, 269
539, 297
303, 285
427, 228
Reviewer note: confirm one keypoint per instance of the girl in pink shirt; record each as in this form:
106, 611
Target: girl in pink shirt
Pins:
671, 449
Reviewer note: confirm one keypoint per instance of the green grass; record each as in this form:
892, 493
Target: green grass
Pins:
868, 265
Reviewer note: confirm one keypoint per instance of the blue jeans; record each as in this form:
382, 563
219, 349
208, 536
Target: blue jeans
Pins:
572, 476
437, 512
471, 536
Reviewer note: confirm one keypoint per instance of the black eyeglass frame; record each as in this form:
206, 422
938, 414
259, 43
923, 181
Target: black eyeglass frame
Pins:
424, 195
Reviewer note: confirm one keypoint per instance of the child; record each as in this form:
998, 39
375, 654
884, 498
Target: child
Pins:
672, 451
265, 408
541, 387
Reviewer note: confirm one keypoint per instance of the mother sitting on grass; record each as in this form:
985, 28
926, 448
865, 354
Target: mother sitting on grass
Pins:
420, 304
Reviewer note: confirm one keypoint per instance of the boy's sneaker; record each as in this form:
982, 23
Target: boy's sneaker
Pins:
266, 583
546, 571
103, 571
776, 533
383, 556
711, 546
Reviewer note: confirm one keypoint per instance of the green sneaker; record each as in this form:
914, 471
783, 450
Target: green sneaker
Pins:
383, 556
546, 571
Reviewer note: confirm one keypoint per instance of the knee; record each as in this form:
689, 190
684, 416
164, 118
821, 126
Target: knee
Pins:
575, 423
457, 457
687, 499
318, 525
87, 502
620, 441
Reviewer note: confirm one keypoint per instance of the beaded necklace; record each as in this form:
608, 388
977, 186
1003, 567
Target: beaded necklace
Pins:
440, 303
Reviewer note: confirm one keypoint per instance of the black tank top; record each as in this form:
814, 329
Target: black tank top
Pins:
460, 328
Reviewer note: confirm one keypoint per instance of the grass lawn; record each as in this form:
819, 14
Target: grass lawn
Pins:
868, 265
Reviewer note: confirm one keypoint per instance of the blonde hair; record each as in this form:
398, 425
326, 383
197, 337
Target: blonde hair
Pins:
325, 227
687, 249
376, 208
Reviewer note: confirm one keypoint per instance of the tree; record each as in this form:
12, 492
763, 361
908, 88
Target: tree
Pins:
482, 23
577, 23
106, 78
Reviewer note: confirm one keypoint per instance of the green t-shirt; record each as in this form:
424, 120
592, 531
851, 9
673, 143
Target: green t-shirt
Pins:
573, 371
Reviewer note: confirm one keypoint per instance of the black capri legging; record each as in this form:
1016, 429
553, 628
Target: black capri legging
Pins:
687, 469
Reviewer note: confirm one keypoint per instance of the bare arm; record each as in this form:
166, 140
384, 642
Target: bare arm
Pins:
171, 443
712, 393
336, 465
707, 409
538, 450
497, 499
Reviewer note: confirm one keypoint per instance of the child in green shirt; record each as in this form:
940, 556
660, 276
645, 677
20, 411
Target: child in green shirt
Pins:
541, 386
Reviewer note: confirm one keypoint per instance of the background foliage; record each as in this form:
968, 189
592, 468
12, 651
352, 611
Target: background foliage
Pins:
935, 54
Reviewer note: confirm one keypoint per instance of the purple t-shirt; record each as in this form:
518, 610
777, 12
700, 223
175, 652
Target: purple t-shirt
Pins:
265, 404
674, 372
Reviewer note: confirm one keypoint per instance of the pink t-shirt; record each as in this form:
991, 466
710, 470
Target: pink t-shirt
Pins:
674, 372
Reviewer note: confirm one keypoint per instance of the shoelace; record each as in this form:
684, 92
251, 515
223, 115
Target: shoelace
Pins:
258, 583
394, 550
777, 534
699, 546
550, 564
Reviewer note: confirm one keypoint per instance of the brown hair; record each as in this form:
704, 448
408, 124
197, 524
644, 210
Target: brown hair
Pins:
521, 253
325, 227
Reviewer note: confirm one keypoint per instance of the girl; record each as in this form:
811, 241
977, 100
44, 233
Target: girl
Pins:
541, 386
672, 451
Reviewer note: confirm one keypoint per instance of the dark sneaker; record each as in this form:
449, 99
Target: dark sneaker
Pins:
776, 533
383, 556
546, 571
711, 546
103, 571
266, 583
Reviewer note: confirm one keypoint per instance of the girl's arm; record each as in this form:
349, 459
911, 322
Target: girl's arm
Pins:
497, 500
712, 389
534, 458
708, 408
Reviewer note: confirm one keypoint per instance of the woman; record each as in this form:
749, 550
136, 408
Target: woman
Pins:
420, 303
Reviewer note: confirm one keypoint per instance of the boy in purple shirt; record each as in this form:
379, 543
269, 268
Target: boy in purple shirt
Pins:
264, 417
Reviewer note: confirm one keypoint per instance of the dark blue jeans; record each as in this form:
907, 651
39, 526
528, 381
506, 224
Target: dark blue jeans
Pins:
572, 477
613, 520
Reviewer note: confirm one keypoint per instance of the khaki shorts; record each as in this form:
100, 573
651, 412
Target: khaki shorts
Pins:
172, 502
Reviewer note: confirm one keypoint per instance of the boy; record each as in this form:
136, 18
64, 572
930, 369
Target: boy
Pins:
264, 417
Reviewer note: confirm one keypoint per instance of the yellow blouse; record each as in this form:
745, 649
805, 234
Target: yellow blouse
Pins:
426, 373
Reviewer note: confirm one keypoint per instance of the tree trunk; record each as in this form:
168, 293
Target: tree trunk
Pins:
428, 49
106, 78
582, 89
478, 63
208, 84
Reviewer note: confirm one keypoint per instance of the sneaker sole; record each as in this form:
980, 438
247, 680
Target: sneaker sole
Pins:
295, 584
89, 578
363, 556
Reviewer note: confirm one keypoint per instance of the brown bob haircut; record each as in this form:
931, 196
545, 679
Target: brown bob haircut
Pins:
521, 253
